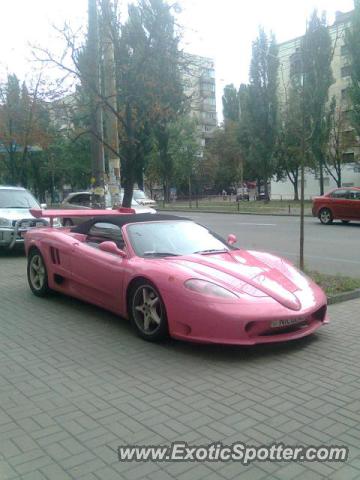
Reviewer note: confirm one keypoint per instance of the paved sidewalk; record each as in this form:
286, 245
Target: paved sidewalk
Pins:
75, 383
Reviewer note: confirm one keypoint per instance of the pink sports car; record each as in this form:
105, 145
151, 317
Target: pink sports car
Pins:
171, 276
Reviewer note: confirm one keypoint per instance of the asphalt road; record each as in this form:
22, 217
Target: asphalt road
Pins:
333, 249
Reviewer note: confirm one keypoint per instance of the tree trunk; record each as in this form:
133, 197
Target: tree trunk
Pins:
339, 179
166, 191
190, 193
96, 147
321, 176
266, 190
296, 190
140, 181
128, 190
12, 169
24, 182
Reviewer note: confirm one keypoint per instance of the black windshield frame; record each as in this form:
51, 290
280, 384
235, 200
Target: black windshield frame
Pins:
219, 244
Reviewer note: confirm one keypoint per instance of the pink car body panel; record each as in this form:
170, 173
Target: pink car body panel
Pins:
275, 302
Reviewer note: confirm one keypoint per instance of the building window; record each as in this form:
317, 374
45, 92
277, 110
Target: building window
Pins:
208, 87
344, 50
348, 138
209, 72
346, 71
295, 64
210, 100
209, 115
348, 115
344, 94
348, 157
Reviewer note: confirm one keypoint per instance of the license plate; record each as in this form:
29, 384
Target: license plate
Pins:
286, 322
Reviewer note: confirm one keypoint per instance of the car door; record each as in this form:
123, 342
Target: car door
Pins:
354, 204
339, 203
79, 201
98, 276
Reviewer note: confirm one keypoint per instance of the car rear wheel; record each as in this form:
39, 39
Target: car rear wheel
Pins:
67, 222
325, 216
147, 312
37, 274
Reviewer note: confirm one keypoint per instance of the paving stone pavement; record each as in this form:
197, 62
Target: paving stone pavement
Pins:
75, 383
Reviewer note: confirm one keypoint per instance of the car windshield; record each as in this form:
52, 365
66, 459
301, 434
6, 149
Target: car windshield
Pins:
17, 199
173, 238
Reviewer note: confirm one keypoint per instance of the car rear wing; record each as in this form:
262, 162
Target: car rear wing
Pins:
51, 214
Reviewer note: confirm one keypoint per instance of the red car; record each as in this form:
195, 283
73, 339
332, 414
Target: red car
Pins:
339, 204
172, 276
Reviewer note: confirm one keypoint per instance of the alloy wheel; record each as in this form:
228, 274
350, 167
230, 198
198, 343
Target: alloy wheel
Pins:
147, 309
325, 216
37, 272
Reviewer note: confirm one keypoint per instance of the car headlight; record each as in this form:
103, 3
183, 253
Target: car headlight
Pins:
5, 222
208, 288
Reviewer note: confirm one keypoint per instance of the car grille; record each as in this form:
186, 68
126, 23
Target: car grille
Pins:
30, 223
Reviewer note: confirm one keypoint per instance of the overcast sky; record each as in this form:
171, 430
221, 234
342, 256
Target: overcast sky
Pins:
222, 29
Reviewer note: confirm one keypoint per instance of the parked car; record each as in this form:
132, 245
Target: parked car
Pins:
242, 193
171, 276
82, 200
15, 216
143, 199
339, 204
263, 196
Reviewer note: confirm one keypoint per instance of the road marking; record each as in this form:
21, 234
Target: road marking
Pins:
257, 224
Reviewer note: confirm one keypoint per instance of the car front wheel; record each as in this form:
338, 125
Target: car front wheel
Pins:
37, 274
325, 216
147, 312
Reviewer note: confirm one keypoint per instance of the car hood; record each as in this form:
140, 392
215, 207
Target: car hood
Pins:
246, 272
146, 202
143, 209
15, 213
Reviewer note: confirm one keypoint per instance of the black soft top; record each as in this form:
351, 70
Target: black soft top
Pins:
122, 220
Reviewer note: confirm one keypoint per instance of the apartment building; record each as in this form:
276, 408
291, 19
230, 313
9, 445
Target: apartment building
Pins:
199, 81
289, 64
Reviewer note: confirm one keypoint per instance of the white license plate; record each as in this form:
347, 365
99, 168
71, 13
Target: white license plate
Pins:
286, 322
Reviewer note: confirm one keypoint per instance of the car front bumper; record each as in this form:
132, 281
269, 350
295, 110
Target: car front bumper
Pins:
11, 236
243, 324
8, 237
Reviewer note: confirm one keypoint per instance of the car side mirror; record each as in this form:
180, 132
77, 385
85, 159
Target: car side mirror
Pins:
231, 239
111, 247
43, 206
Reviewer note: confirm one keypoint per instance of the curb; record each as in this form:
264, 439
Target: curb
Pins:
194, 210
343, 297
